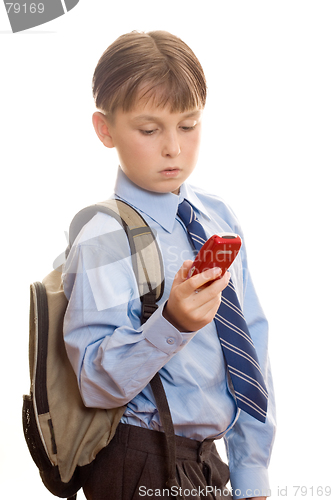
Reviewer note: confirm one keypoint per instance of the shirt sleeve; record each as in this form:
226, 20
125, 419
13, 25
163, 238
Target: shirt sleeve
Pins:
249, 443
113, 355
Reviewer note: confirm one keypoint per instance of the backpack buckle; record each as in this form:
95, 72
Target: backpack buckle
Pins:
147, 311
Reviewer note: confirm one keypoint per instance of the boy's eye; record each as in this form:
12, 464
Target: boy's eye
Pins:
147, 132
189, 125
186, 129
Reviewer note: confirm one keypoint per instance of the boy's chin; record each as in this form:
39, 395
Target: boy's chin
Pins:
174, 188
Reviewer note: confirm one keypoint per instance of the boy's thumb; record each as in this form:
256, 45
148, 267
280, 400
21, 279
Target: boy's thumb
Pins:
183, 271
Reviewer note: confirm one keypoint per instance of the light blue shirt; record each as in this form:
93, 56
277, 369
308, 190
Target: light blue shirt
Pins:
114, 357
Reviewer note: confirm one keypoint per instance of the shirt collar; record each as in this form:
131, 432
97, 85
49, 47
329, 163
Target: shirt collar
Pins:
161, 207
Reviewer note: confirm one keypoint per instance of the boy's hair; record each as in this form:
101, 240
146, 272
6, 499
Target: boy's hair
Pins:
155, 65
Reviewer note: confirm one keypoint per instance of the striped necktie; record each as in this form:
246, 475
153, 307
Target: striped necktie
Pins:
237, 345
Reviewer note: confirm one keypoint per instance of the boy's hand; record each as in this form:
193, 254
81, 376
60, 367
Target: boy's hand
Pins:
189, 306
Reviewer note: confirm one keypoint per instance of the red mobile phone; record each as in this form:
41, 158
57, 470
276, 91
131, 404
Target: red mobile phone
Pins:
219, 251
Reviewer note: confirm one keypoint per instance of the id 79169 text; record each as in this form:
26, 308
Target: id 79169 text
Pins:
305, 491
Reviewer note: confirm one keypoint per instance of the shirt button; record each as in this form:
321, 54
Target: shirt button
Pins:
170, 340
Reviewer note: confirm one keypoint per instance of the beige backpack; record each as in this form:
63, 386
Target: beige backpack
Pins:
62, 434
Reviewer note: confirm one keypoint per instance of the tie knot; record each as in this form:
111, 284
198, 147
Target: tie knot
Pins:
186, 213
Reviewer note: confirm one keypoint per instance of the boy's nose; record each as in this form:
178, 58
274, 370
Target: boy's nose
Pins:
171, 146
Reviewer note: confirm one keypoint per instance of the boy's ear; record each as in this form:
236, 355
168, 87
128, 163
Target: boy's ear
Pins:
102, 129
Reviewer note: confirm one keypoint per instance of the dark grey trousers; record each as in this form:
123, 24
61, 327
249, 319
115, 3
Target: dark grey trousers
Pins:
134, 467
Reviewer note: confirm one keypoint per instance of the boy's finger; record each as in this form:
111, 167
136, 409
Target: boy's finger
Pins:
194, 283
218, 285
182, 274
208, 293
201, 279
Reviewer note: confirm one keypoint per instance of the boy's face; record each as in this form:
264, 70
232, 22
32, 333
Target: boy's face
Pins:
157, 149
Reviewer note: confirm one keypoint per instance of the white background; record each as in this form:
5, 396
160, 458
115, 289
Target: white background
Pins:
267, 149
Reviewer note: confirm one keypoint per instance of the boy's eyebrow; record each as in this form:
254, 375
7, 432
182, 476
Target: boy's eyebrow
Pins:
193, 113
155, 118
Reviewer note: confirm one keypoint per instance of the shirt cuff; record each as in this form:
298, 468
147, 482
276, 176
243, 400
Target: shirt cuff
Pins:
247, 483
163, 335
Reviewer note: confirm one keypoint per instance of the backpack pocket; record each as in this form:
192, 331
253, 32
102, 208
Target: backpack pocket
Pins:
36, 403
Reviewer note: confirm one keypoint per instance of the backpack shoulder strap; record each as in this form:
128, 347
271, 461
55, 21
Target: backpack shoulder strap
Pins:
148, 268
146, 256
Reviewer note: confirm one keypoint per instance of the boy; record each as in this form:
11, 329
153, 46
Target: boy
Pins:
150, 91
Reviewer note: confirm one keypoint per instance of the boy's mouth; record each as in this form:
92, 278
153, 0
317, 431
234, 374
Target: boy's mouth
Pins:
170, 172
